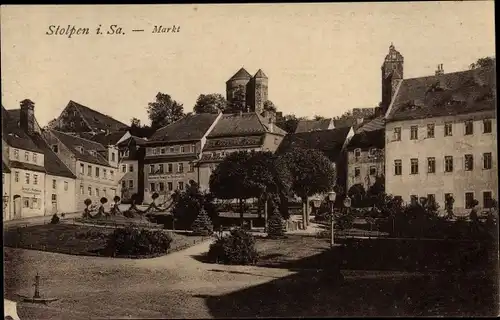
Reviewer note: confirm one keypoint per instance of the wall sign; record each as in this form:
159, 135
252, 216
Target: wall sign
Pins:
31, 190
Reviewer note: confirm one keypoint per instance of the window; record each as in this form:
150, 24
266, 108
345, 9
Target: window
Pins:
180, 168
26, 202
430, 130
191, 167
16, 153
357, 154
130, 168
163, 150
162, 186
431, 198
160, 168
105, 192
469, 200
170, 186
55, 148
90, 191
151, 168
487, 160
448, 129
27, 178
35, 203
131, 184
81, 189
183, 149
97, 172
487, 200
54, 184
447, 196
193, 147
124, 184
16, 176
104, 173
155, 151
65, 185
181, 185
124, 168
170, 168
112, 174
448, 164
152, 186
373, 170
373, 152
431, 165
35, 179
469, 127
35, 156
413, 133
89, 171
171, 150
397, 134
112, 156
97, 191
54, 197
469, 162
357, 171
487, 126
413, 199
413, 166
26, 156
398, 167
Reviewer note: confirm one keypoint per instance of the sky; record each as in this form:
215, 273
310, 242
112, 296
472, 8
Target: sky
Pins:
321, 59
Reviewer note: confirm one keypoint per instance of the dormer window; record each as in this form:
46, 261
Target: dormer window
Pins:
171, 150
55, 148
183, 149
357, 154
26, 156
16, 153
80, 149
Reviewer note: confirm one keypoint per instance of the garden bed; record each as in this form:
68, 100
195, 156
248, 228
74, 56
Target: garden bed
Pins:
80, 239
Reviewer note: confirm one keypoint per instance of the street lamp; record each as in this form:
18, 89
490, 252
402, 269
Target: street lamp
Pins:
331, 197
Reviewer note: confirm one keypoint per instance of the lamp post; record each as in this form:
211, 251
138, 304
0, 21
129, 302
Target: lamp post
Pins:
331, 197
316, 202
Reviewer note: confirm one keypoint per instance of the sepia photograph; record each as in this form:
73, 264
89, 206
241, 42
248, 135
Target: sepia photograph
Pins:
285, 160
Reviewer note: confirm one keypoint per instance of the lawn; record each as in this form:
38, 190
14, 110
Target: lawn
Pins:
76, 239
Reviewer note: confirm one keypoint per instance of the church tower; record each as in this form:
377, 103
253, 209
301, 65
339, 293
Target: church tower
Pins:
392, 74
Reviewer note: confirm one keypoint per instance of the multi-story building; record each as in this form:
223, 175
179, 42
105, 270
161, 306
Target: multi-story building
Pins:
172, 153
132, 153
95, 166
238, 132
40, 184
254, 89
441, 138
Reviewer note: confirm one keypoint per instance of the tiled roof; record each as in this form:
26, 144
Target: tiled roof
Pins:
5, 168
345, 123
372, 124
53, 165
108, 139
72, 142
138, 140
447, 94
242, 74
97, 120
330, 142
190, 128
14, 135
260, 74
368, 139
26, 166
311, 125
233, 142
242, 124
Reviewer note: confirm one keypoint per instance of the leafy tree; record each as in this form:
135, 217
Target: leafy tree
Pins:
483, 63
318, 117
289, 123
189, 203
164, 110
357, 193
210, 103
135, 122
238, 102
312, 173
269, 106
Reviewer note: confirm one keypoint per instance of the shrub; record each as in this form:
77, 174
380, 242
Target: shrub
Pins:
202, 225
87, 202
134, 241
116, 199
235, 248
104, 200
276, 228
344, 221
55, 219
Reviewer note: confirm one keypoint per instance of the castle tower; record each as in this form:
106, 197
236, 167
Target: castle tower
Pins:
260, 91
392, 73
239, 81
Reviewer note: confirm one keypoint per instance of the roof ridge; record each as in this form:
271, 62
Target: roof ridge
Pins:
440, 75
79, 105
78, 137
52, 152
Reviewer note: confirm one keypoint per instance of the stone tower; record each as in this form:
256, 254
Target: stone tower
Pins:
259, 91
255, 89
392, 74
239, 81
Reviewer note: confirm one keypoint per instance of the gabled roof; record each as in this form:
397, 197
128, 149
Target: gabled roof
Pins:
260, 74
442, 95
190, 128
97, 120
242, 124
73, 142
372, 124
14, 135
368, 139
108, 139
312, 125
330, 142
5, 167
53, 165
138, 141
242, 74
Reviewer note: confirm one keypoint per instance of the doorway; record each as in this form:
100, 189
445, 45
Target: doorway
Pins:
54, 203
17, 207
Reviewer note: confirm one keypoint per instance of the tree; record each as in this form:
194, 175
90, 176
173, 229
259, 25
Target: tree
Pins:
189, 203
317, 117
210, 103
164, 111
135, 122
269, 106
312, 173
357, 193
238, 102
202, 225
289, 123
483, 63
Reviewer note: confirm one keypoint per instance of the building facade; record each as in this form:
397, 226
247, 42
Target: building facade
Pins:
132, 153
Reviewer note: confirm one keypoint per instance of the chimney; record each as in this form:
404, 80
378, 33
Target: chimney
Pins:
27, 116
439, 70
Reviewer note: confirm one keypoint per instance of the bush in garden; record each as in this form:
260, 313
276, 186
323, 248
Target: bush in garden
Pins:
202, 225
276, 227
134, 241
235, 248
344, 221
55, 219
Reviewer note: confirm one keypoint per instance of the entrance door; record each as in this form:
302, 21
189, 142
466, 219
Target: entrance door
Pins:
17, 207
54, 203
